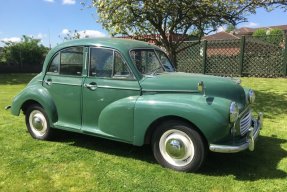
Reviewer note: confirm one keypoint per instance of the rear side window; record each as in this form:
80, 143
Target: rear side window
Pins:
55, 64
68, 62
71, 61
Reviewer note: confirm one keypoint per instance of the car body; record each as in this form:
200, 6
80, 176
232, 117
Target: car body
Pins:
128, 91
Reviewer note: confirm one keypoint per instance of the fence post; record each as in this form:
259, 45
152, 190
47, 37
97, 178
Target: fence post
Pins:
204, 56
285, 57
241, 56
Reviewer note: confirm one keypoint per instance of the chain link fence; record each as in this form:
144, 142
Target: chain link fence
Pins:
248, 56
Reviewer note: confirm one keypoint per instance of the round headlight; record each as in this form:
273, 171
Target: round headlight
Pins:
251, 96
234, 112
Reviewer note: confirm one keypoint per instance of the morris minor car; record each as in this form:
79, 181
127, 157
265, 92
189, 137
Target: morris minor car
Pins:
129, 91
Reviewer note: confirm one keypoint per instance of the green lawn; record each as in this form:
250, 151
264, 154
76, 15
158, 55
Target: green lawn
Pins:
76, 162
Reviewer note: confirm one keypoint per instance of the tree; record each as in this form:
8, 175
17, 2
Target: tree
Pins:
28, 51
274, 36
230, 27
170, 22
70, 35
276, 31
259, 33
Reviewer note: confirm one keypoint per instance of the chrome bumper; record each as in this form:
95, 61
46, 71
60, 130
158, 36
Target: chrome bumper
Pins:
250, 139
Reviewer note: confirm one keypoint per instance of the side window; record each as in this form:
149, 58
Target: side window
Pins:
121, 69
108, 63
54, 66
101, 62
145, 60
71, 61
165, 61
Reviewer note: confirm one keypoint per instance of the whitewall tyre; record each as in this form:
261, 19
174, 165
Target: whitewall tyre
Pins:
178, 146
37, 123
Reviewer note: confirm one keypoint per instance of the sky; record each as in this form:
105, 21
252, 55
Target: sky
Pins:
50, 20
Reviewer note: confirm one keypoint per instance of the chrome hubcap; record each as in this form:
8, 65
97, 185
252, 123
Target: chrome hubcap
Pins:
176, 147
38, 123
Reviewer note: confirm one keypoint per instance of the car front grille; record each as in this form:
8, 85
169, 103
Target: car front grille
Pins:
245, 123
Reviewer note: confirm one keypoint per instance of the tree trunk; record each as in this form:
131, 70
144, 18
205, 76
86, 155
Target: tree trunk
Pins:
172, 55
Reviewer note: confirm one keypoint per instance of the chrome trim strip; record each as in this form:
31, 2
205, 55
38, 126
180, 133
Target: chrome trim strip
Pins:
100, 86
250, 139
85, 61
59, 83
123, 88
173, 91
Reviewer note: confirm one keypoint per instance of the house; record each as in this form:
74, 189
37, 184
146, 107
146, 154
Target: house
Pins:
246, 31
222, 43
228, 44
243, 31
220, 36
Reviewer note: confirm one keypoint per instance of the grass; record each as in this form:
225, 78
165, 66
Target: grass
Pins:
75, 162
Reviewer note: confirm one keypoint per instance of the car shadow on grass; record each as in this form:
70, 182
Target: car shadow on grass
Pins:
106, 146
271, 104
251, 166
259, 164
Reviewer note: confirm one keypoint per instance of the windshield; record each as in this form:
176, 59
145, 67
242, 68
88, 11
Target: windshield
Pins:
150, 62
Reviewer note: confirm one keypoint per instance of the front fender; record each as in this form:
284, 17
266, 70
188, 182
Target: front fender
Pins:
39, 94
209, 114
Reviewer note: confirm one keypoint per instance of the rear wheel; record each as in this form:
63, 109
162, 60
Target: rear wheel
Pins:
37, 123
178, 146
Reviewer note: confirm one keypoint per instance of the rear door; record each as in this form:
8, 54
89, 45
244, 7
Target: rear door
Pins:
63, 80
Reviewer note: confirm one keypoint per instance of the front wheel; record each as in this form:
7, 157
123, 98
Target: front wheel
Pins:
178, 146
37, 123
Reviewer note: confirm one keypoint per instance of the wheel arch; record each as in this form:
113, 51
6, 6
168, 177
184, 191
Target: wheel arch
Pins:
48, 107
29, 103
154, 125
35, 94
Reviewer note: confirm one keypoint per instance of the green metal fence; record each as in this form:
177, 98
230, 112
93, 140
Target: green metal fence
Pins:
248, 56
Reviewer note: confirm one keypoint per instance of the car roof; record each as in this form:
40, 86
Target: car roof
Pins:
123, 45
116, 43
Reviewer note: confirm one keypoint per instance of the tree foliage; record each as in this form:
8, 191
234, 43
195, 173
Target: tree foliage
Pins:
28, 51
230, 27
276, 36
170, 22
70, 35
276, 31
259, 33
273, 36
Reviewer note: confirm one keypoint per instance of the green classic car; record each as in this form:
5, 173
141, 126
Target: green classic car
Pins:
128, 91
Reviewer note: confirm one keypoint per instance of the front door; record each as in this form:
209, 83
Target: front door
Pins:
63, 81
109, 95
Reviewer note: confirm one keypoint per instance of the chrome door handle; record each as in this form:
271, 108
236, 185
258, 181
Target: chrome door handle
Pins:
48, 82
91, 86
